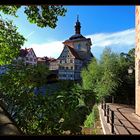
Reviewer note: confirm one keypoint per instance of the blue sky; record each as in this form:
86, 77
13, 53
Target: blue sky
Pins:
107, 26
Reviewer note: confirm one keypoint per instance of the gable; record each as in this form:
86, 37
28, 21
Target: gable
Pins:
65, 53
31, 53
74, 53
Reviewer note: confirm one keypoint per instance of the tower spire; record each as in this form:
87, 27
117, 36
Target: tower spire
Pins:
77, 17
77, 26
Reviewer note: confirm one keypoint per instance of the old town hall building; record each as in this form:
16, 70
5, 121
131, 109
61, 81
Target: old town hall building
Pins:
76, 54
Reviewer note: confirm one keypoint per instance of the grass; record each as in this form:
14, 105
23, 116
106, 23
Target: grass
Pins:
92, 124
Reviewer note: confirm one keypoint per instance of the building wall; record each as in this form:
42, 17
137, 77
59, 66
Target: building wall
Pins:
82, 47
31, 58
53, 65
137, 61
69, 67
66, 74
70, 71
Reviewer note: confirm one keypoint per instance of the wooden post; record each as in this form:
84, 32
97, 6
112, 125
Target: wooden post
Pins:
112, 99
102, 104
107, 113
105, 109
112, 121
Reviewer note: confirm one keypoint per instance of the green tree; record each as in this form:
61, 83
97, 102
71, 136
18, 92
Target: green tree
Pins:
10, 41
17, 91
42, 16
37, 114
126, 90
89, 75
101, 77
109, 76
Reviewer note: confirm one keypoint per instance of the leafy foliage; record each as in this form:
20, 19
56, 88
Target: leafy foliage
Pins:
109, 76
90, 75
17, 88
92, 117
42, 16
37, 114
10, 42
126, 89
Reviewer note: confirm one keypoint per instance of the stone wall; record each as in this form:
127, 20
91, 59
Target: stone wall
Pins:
137, 61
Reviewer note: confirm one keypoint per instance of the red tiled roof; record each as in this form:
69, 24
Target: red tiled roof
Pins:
52, 59
47, 59
41, 58
24, 52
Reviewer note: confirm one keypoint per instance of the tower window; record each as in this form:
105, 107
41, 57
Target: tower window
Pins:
78, 47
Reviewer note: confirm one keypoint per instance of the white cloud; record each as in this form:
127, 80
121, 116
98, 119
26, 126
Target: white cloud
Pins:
122, 38
52, 49
119, 41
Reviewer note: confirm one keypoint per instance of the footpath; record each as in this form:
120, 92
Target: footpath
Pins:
126, 122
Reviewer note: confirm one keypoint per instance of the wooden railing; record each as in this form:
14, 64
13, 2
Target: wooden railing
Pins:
112, 118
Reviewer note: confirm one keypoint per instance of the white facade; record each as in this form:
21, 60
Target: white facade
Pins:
31, 58
28, 57
69, 65
53, 65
